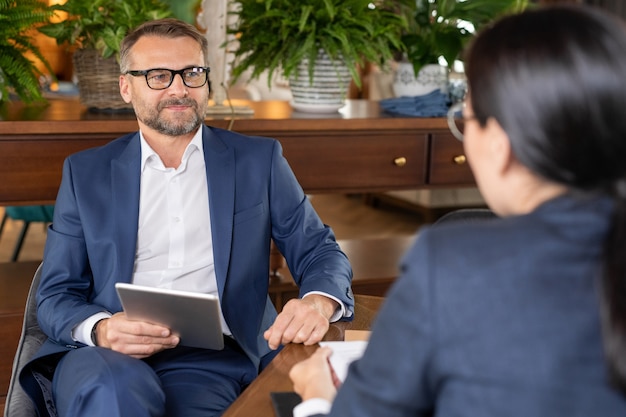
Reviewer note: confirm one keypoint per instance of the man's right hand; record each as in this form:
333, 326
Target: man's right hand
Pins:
138, 339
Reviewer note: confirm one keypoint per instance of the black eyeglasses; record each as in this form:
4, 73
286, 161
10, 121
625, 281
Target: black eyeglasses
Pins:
456, 120
162, 78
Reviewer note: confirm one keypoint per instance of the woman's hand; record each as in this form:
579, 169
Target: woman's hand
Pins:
314, 377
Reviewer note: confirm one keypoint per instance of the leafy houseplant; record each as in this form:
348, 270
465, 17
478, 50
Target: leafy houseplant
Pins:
101, 24
16, 70
443, 27
279, 34
94, 29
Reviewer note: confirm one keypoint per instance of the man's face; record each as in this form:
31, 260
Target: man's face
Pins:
176, 110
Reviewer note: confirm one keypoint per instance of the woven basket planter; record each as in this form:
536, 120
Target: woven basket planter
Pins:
98, 81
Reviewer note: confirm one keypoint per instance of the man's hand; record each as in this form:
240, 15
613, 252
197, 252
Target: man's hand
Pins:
301, 321
138, 339
313, 377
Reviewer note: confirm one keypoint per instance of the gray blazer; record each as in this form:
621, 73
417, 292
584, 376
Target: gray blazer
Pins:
498, 318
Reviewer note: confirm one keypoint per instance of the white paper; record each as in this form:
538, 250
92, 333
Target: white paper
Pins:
344, 353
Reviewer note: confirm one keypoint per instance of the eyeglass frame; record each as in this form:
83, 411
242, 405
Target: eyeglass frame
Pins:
173, 73
454, 129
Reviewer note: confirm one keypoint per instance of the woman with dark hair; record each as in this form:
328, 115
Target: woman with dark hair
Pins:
523, 315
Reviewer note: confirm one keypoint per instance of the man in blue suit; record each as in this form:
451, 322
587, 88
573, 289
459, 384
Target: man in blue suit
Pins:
176, 205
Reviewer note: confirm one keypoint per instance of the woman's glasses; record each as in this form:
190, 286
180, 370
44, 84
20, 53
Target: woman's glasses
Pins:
456, 120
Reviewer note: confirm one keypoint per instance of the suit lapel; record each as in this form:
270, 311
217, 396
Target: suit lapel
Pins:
125, 180
220, 171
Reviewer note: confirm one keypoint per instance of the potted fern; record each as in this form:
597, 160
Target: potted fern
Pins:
94, 29
291, 37
441, 29
18, 73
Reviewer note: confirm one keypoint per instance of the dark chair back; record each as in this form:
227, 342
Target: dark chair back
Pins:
467, 215
18, 404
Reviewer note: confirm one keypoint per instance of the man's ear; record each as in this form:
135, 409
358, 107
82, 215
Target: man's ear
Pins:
125, 91
499, 146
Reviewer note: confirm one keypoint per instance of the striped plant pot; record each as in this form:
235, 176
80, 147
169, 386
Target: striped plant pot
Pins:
326, 93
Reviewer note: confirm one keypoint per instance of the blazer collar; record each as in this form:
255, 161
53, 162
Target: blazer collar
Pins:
220, 170
125, 181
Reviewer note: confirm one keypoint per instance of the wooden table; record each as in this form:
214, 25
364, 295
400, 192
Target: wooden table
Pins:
255, 400
359, 149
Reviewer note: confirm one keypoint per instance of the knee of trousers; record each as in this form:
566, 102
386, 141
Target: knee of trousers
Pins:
89, 379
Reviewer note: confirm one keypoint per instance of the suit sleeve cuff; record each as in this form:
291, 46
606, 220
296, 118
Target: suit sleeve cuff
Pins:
341, 311
82, 332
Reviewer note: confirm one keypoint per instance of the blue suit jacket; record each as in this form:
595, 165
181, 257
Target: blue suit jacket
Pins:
253, 196
497, 318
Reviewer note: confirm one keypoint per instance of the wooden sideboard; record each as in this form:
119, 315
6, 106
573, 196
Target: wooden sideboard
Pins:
358, 149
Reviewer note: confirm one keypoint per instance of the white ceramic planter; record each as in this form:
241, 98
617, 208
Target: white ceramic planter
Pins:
430, 77
328, 89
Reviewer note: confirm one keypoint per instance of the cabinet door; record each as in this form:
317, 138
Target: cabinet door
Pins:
357, 162
448, 165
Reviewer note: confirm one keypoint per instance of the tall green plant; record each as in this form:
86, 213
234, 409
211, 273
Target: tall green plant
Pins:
186, 10
443, 27
17, 72
278, 34
102, 24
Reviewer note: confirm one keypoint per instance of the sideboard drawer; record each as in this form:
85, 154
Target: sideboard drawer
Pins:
352, 163
448, 165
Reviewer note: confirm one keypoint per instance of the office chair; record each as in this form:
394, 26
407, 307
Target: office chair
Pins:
27, 214
18, 404
467, 215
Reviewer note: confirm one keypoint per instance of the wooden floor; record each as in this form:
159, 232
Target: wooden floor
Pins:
349, 217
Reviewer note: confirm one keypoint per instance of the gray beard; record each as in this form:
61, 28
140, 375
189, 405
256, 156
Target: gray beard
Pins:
177, 127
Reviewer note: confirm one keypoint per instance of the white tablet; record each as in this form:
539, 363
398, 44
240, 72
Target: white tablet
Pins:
193, 317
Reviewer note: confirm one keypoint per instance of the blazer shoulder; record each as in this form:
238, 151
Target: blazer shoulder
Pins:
231, 138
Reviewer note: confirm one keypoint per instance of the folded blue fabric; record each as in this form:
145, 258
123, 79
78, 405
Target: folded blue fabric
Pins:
433, 104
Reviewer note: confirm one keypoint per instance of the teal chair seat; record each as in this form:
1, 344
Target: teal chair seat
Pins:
28, 215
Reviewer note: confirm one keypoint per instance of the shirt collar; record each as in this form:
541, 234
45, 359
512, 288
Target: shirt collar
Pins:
147, 153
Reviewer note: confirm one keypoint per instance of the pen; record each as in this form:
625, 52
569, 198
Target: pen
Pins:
333, 375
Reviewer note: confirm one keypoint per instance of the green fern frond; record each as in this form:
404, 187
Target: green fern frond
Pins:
18, 73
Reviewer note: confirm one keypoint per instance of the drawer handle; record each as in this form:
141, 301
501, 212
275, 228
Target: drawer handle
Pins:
459, 159
399, 161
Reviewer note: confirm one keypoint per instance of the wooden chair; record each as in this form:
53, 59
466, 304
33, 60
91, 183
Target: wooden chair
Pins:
365, 310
